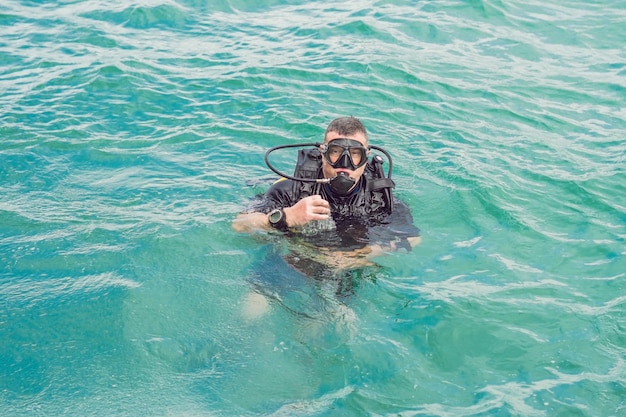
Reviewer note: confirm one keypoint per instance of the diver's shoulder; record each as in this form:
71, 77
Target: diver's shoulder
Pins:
281, 186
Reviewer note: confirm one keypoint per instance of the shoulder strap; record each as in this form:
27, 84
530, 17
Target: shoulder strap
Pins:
377, 181
308, 166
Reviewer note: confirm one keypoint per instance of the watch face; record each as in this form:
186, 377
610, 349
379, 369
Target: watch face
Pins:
275, 216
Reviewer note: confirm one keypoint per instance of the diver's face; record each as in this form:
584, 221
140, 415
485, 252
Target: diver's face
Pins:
330, 171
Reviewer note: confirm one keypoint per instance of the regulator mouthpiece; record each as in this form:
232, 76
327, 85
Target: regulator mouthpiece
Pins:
342, 183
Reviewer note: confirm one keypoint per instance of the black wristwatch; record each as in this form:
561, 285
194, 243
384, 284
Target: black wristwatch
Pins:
277, 219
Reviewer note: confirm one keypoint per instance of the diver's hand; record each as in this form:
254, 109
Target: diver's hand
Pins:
351, 259
310, 208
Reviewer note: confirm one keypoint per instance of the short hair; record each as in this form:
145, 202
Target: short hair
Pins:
346, 126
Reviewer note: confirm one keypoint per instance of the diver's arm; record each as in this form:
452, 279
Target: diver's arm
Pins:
310, 208
414, 241
251, 222
402, 220
362, 257
393, 246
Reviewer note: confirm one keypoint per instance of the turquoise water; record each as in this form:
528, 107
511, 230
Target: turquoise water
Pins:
130, 131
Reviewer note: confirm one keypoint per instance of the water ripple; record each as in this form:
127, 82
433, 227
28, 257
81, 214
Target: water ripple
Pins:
30, 292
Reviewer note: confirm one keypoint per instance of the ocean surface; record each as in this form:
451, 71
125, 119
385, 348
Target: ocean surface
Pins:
133, 132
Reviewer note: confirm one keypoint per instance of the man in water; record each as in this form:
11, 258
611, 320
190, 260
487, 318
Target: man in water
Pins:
347, 200
339, 225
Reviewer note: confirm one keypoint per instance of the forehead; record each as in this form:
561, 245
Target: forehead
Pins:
358, 136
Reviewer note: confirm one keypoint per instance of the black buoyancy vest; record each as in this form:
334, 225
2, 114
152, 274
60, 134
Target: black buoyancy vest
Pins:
309, 165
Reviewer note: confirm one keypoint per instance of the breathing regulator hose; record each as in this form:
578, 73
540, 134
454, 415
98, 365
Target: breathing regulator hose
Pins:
316, 145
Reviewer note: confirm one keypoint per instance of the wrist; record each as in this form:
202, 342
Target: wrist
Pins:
401, 244
288, 211
277, 219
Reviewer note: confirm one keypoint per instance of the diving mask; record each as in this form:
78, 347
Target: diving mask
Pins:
345, 153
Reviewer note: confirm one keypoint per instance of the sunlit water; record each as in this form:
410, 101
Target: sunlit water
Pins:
132, 133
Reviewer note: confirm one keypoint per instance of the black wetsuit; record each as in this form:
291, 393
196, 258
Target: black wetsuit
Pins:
360, 218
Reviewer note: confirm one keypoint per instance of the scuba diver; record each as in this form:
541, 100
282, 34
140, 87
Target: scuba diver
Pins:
338, 211
335, 183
